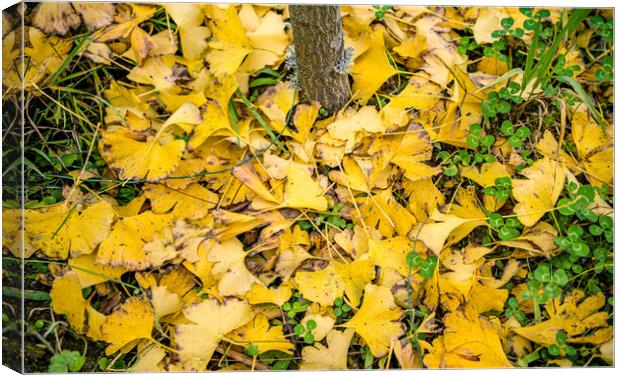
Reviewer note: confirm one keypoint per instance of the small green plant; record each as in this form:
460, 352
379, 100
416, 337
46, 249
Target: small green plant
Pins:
305, 332
551, 283
295, 307
500, 101
252, 350
466, 44
328, 220
513, 310
341, 309
561, 346
501, 190
515, 137
506, 229
66, 361
380, 11
426, 267
577, 202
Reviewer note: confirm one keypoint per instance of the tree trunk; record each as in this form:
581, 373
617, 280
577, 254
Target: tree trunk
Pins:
319, 49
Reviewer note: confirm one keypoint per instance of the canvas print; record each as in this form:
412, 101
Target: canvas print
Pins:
201, 187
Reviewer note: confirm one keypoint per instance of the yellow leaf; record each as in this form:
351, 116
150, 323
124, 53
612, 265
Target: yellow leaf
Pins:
134, 159
229, 44
420, 94
350, 123
334, 281
324, 323
538, 240
246, 174
141, 44
538, 193
197, 340
332, 357
95, 15
260, 334
301, 191
261, 294
486, 177
67, 299
434, 235
193, 202
189, 19
580, 318
371, 69
125, 245
424, 198
392, 252
60, 229
468, 341
215, 122
229, 268
376, 320
124, 327
91, 273
55, 18
594, 148
148, 359
269, 41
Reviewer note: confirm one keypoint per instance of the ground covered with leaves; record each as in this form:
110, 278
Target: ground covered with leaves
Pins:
184, 211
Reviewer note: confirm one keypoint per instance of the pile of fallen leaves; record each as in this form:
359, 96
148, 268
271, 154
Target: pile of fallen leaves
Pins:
416, 227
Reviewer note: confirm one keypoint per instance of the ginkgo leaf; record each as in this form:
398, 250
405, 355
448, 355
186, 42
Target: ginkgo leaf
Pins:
334, 281
161, 72
247, 175
229, 44
269, 41
420, 94
164, 301
486, 177
61, 229
197, 341
215, 122
125, 245
386, 214
538, 193
371, 69
55, 18
324, 322
376, 320
262, 336
148, 359
392, 252
261, 294
95, 15
67, 299
193, 202
91, 273
365, 120
594, 147
141, 44
579, 318
189, 19
229, 268
535, 241
301, 191
123, 328
332, 357
434, 235
468, 341
134, 159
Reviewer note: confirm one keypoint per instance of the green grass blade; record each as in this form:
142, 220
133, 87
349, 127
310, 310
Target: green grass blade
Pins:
261, 121
583, 95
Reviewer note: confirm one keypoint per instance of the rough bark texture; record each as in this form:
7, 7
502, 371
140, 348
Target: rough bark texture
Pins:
319, 49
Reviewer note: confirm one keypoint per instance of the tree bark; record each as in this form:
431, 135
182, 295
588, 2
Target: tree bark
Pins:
319, 50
